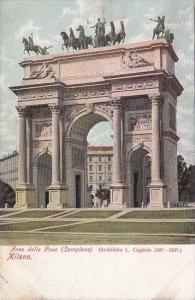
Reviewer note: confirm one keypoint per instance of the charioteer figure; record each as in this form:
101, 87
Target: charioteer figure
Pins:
99, 32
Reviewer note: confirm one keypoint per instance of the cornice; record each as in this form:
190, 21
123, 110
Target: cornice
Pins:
170, 134
19, 89
103, 51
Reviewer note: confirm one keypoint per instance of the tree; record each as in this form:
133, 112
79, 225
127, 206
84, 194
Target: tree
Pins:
184, 176
7, 195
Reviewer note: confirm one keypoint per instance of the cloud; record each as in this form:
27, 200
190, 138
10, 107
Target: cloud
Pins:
186, 146
10, 62
27, 29
100, 134
9, 131
3, 82
67, 10
152, 12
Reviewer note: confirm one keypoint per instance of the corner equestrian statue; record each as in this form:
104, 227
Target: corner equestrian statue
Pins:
29, 46
160, 27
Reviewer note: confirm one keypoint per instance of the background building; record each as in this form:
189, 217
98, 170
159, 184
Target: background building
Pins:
99, 167
9, 169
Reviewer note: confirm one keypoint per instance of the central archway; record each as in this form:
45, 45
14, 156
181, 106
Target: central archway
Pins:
77, 166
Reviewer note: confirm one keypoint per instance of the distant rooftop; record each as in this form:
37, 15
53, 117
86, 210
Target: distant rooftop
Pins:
100, 148
9, 155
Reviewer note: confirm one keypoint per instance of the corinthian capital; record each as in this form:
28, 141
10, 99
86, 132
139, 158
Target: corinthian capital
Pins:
55, 108
155, 98
116, 103
21, 111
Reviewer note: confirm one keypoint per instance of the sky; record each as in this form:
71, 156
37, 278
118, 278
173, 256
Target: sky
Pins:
47, 18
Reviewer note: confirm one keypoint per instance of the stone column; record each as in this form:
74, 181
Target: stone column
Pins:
62, 156
117, 142
156, 101
118, 188
55, 145
157, 186
25, 193
29, 148
22, 146
57, 190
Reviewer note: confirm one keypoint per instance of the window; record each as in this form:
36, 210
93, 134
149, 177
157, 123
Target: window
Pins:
100, 168
90, 178
90, 167
90, 158
109, 177
100, 159
109, 167
100, 177
109, 158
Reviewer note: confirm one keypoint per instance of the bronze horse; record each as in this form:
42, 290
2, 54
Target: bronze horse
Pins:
112, 38
65, 38
121, 35
85, 41
111, 35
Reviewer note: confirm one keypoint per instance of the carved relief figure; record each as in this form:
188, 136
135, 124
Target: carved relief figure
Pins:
139, 122
132, 60
43, 129
44, 71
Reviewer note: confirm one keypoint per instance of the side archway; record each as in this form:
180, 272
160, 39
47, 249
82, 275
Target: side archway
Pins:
43, 178
139, 165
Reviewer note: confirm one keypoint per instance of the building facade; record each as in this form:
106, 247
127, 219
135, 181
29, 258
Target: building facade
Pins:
99, 164
9, 169
131, 86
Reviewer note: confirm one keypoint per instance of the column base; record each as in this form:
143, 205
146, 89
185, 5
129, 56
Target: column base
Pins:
58, 196
157, 195
25, 196
118, 196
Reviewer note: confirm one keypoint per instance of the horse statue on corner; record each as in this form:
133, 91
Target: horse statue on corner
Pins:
160, 27
85, 41
31, 47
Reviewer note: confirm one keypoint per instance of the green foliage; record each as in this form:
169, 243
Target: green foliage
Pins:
184, 176
7, 195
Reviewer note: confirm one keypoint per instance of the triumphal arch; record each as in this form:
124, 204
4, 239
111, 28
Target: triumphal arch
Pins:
62, 96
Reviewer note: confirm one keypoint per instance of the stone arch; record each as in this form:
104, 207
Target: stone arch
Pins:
84, 112
43, 164
136, 147
40, 153
139, 175
76, 132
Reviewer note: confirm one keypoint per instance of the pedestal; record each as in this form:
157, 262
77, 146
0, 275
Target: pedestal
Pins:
118, 196
58, 196
157, 195
25, 196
